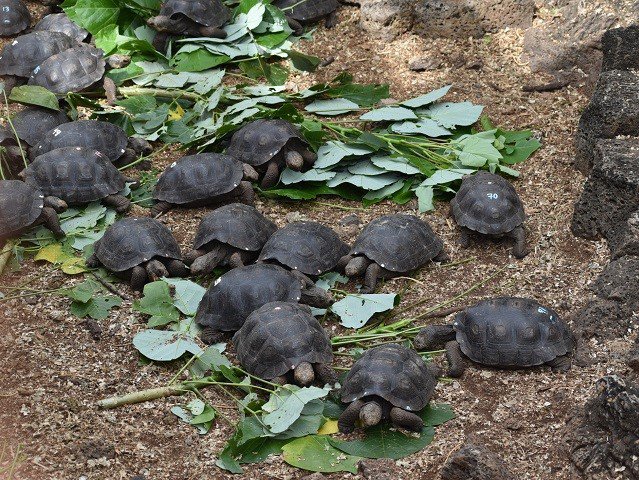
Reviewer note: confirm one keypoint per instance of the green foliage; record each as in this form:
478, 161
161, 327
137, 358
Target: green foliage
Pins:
34, 95
315, 453
355, 310
89, 300
158, 303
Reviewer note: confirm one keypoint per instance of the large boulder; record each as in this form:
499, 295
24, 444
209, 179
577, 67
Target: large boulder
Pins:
621, 49
603, 439
475, 462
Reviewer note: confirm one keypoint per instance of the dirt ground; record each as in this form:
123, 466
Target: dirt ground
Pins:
53, 372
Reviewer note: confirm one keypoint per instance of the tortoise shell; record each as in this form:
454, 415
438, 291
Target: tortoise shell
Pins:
20, 207
75, 175
393, 372
72, 70
310, 247
512, 332
399, 243
279, 336
25, 53
33, 122
135, 240
236, 224
239, 292
487, 203
307, 11
105, 137
258, 142
14, 17
210, 13
60, 22
198, 178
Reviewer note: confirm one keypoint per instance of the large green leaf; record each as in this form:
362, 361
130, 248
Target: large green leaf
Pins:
315, 453
158, 303
34, 95
286, 404
355, 310
161, 345
94, 15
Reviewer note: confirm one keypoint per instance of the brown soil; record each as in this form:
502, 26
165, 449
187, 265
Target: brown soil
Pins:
53, 372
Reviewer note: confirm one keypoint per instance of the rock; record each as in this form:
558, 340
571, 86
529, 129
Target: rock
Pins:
632, 358
613, 111
380, 469
96, 449
386, 19
609, 203
603, 438
424, 63
475, 462
616, 297
350, 220
620, 47
314, 476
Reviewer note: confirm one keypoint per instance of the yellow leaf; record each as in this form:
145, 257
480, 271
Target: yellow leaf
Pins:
51, 253
329, 428
73, 266
177, 113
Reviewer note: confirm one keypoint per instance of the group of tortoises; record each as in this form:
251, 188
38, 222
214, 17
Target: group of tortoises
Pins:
264, 298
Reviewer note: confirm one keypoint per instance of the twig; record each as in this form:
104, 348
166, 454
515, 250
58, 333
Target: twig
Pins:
546, 87
6, 254
110, 287
143, 396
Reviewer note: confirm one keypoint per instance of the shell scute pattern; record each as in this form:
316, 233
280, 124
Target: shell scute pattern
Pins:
210, 13
239, 292
238, 225
75, 175
399, 243
279, 336
393, 372
27, 52
135, 240
310, 247
509, 331
32, 123
307, 11
14, 17
71, 70
488, 204
20, 206
199, 177
60, 22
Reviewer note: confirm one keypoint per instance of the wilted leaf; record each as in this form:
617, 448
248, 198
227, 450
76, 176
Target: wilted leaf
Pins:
329, 427
430, 97
160, 345
387, 114
335, 106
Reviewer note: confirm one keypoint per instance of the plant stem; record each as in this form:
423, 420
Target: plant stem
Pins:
6, 254
159, 92
143, 396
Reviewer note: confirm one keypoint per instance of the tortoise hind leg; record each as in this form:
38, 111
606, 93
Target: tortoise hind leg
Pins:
456, 364
160, 208
119, 202
240, 258
346, 421
464, 238
370, 278
519, 235
49, 218
407, 420
433, 337
272, 175
560, 364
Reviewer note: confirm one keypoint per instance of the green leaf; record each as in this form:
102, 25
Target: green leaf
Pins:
83, 292
188, 295
333, 152
158, 303
394, 164
94, 15
385, 114
367, 182
160, 345
430, 97
425, 196
34, 95
197, 60
315, 453
289, 176
98, 307
335, 106
355, 310
450, 115
211, 359
425, 126
285, 405
363, 95
303, 62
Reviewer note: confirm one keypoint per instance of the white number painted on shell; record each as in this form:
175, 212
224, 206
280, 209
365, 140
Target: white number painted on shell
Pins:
542, 310
493, 196
6, 8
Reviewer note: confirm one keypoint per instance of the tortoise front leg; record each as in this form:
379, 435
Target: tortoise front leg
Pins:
239, 258
56, 203
244, 193
370, 278
49, 217
519, 235
296, 26
346, 421
464, 238
92, 261
560, 364
110, 90
176, 268
250, 174
155, 270
117, 201
303, 374
206, 263
442, 257
294, 160
161, 41
211, 336
309, 157
326, 374
456, 364
407, 420
213, 32
160, 208
138, 278
433, 337
192, 255
272, 175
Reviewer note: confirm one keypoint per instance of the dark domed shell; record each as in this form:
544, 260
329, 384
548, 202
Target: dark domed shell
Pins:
238, 225
14, 17
512, 332
20, 206
487, 203
393, 372
72, 70
239, 292
104, 137
307, 11
74, 174
258, 142
60, 22
25, 53
210, 13
279, 336
200, 177
399, 243
310, 247
33, 122
135, 240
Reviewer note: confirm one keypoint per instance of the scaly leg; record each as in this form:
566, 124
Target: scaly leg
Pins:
464, 238
110, 90
456, 363
331, 19
304, 374
407, 420
138, 278
346, 421
206, 263
155, 270
119, 202
272, 175
211, 336
519, 249
212, 32
325, 374
176, 268
370, 278
192, 255
357, 266
560, 364
160, 208
49, 218
433, 337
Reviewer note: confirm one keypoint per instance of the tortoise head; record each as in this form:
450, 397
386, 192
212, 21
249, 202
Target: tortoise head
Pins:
160, 23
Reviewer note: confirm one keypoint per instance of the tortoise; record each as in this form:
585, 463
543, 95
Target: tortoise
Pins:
11, 158
196, 18
201, 179
78, 176
391, 245
388, 381
14, 17
32, 123
488, 204
283, 342
304, 12
505, 332
239, 292
139, 249
77, 69
60, 22
23, 207
309, 247
270, 145
105, 137
20, 57
231, 235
